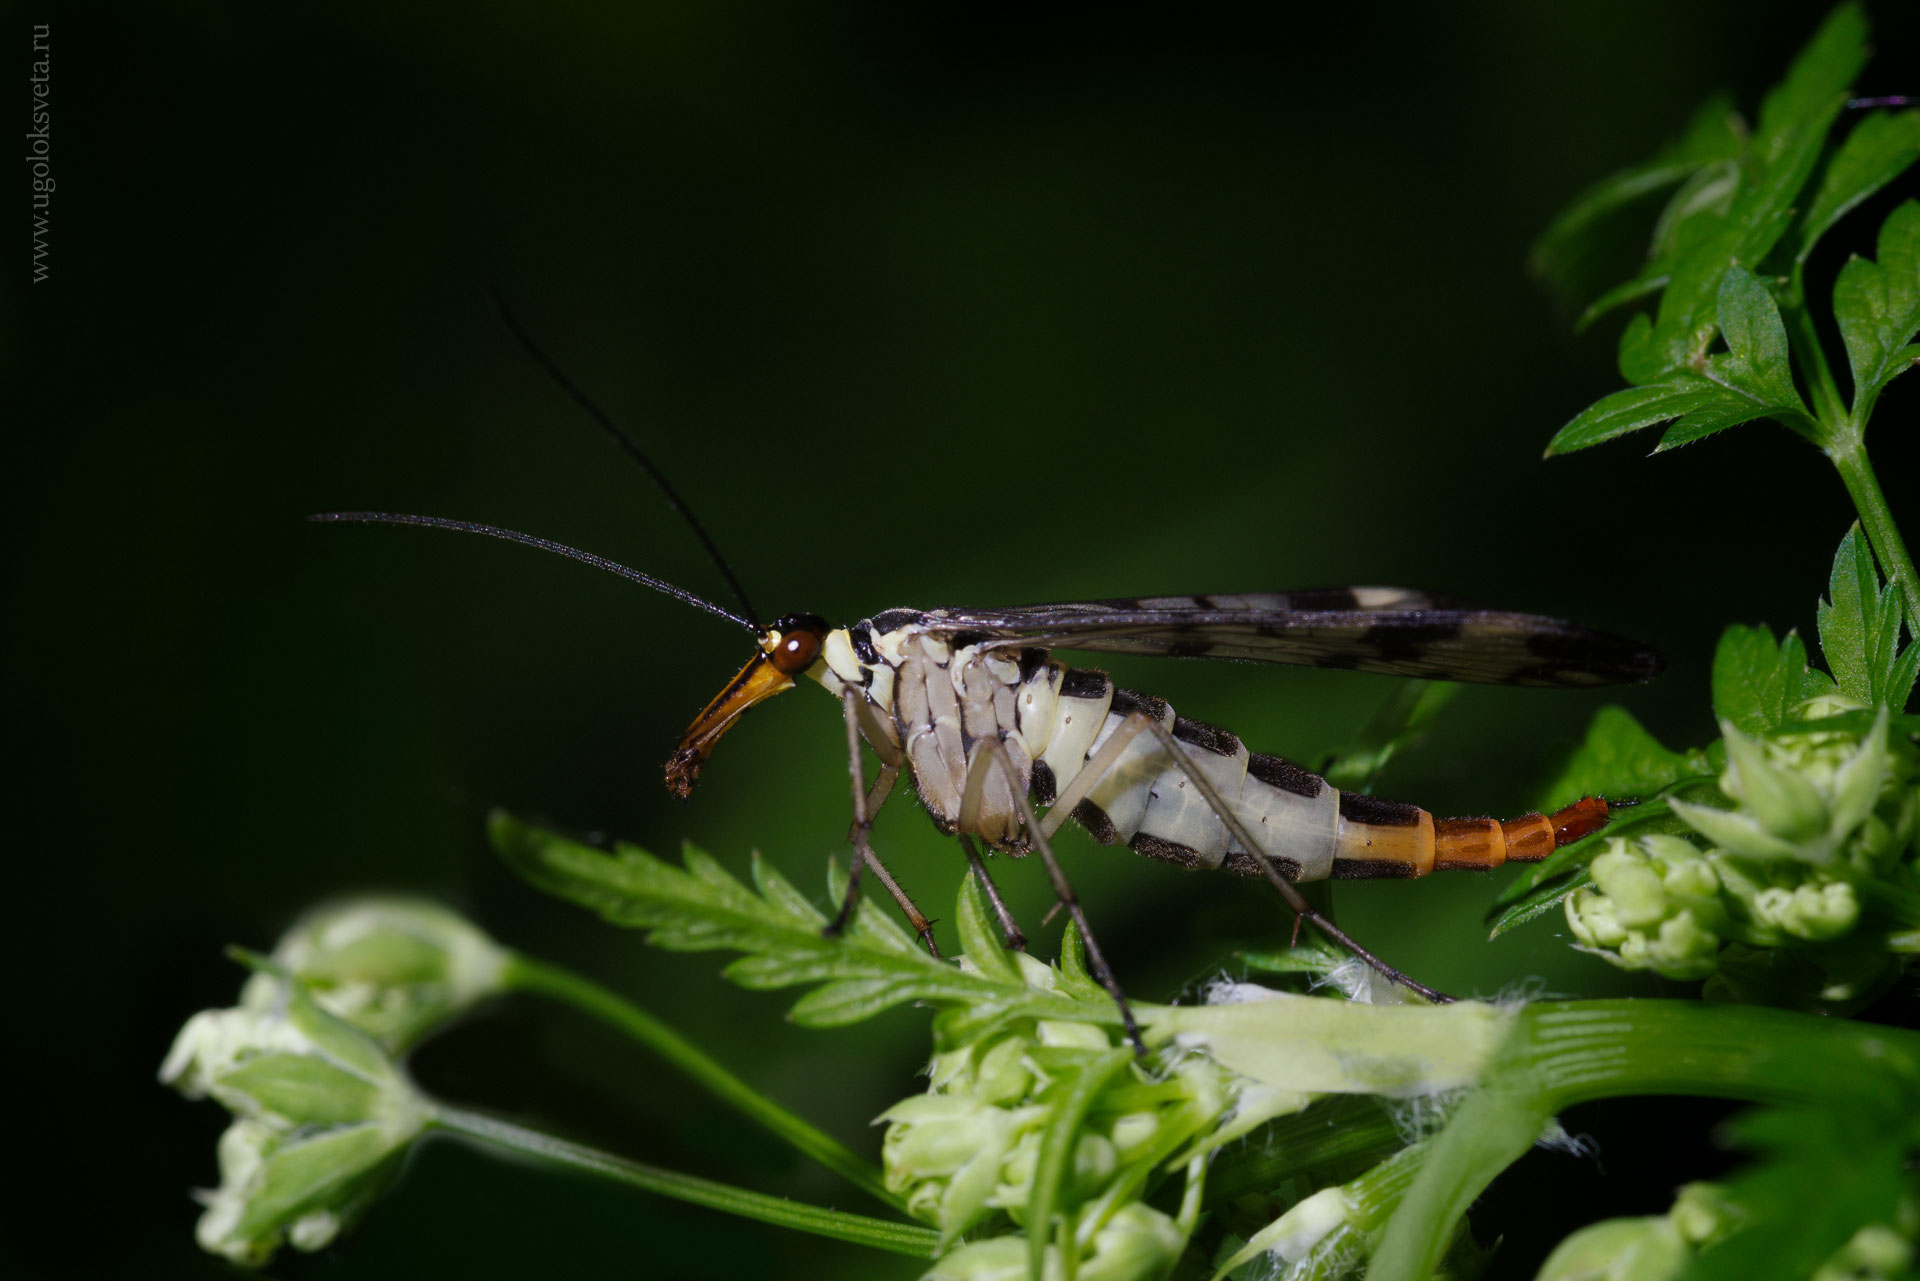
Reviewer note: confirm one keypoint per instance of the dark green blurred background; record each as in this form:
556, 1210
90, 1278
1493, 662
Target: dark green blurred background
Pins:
918, 306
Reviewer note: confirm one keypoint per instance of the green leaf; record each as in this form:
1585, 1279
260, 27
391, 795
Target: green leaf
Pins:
1860, 629
1566, 250
1620, 758
1879, 149
873, 966
1877, 305
1827, 1172
1702, 423
1792, 132
1700, 205
1757, 684
1538, 900
1636, 407
1755, 362
1822, 72
1411, 707
1072, 976
978, 941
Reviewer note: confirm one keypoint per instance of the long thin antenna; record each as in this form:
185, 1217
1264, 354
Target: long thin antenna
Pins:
625, 442
545, 545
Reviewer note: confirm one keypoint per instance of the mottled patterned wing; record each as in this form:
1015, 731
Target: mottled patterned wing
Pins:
1363, 629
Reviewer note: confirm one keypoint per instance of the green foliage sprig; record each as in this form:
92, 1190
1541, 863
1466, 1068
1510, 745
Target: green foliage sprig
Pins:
1728, 261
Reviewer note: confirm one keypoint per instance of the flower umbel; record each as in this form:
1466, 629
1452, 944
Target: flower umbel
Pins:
978, 1141
1814, 846
322, 1117
1826, 799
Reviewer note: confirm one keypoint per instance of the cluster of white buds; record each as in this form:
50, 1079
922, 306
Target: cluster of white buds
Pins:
1820, 822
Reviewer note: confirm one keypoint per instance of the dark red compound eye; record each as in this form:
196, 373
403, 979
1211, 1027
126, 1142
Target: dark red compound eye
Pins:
800, 639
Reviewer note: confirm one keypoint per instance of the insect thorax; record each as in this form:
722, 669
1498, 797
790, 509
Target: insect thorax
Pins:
938, 706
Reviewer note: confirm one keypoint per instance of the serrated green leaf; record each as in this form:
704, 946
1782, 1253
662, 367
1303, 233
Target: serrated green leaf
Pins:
1877, 306
703, 907
1860, 624
1880, 149
1702, 423
779, 892
1538, 900
1755, 362
1637, 407
1757, 684
1619, 758
847, 1001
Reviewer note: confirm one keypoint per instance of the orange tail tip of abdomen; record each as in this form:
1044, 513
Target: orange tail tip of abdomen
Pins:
1532, 837
1582, 818
1481, 844
1469, 844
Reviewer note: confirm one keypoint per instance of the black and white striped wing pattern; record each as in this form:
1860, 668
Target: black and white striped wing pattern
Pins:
1363, 629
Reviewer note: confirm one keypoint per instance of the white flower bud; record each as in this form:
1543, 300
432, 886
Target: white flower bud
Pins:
322, 1116
394, 967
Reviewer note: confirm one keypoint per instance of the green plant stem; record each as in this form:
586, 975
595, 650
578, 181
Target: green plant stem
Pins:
1828, 405
898, 1238
526, 974
1850, 457
1562, 1053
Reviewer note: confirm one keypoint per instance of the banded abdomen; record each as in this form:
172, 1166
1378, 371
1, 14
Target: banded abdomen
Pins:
1308, 827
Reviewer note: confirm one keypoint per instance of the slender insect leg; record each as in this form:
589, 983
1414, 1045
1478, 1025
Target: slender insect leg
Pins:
863, 854
876, 797
1288, 890
993, 751
1009, 928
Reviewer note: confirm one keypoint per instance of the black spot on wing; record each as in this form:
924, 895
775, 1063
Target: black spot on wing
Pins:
1409, 642
1599, 656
